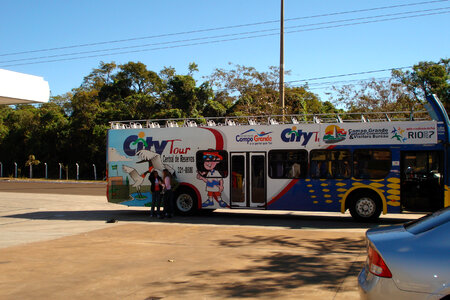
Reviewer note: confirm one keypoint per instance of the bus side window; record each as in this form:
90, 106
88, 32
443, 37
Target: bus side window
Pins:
288, 164
276, 169
342, 169
327, 164
371, 164
318, 164
314, 169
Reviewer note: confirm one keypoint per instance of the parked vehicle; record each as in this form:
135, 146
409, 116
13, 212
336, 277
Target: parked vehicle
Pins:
368, 164
410, 261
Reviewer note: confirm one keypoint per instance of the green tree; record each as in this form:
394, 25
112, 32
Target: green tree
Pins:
183, 94
40, 130
427, 78
23, 122
193, 67
250, 92
63, 101
87, 134
138, 79
32, 161
99, 76
299, 100
132, 93
4, 128
50, 140
245, 91
167, 73
374, 96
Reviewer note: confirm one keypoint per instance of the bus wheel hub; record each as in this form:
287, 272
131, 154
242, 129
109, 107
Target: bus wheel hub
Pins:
365, 207
185, 202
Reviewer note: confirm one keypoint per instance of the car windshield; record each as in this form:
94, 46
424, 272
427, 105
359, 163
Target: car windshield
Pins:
429, 221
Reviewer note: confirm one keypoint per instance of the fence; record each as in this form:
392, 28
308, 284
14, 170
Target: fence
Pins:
61, 171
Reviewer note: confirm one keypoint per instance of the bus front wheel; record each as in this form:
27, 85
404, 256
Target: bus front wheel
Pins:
365, 206
185, 202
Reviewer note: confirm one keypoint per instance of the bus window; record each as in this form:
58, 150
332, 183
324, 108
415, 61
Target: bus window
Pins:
330, 164
213, 162
371, 164
288, 163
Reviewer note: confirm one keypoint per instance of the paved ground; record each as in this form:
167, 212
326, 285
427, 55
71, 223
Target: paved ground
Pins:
53, 187
55, 243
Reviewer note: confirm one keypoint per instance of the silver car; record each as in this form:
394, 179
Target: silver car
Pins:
410, 261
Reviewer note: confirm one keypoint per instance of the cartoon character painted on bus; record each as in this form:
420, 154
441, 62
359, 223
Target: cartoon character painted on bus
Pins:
212, 178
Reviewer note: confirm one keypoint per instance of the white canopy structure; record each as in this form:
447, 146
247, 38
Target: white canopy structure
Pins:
19, 88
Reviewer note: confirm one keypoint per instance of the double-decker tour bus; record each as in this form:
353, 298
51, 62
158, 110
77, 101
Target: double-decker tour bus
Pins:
371, 165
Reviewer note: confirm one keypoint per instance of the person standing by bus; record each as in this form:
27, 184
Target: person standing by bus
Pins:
156, 189
168, 195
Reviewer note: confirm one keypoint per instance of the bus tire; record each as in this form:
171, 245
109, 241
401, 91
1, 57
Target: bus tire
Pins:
185, 201
365, 206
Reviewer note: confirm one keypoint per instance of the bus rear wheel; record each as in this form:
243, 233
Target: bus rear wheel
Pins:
185, 202
365, 207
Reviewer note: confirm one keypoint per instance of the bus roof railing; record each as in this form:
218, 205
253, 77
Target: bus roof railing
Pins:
274, 120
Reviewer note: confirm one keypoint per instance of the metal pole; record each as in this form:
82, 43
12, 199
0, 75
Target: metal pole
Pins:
15, 170
78, 171
60, 171
282, 58
45, 164
31, 171
1, 169
95, 172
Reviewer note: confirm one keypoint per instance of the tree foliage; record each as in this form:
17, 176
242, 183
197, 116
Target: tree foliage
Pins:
245, 91
404, 91
427, 78
374, 96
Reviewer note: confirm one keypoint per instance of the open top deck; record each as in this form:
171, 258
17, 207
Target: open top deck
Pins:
275, 120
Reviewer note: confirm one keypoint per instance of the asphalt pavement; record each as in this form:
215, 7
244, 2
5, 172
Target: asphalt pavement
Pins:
63, 240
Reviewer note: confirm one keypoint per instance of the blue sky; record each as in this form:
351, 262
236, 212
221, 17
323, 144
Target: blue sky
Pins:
36, 25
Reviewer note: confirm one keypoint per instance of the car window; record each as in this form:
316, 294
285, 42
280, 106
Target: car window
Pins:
429, 221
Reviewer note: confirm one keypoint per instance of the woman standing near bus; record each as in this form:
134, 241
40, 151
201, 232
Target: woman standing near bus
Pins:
168, 195
156, 189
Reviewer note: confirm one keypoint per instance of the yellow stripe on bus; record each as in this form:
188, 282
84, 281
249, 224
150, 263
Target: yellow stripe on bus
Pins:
446, 196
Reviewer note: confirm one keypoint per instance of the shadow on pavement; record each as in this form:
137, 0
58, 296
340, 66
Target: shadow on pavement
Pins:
241, 264
294, 263
214, 218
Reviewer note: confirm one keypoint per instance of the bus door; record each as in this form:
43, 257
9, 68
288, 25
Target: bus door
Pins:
422, 180
248, 179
